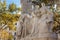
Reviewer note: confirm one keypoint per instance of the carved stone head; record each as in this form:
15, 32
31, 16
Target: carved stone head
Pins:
42, 4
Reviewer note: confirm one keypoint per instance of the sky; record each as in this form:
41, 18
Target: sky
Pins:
17, 2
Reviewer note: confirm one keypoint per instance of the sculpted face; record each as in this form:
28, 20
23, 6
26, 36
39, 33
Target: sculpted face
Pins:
42, 4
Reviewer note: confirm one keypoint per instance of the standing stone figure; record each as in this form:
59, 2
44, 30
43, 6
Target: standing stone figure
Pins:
26, 9
44, 24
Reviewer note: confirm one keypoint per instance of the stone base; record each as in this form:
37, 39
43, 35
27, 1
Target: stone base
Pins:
39, 39
45, 39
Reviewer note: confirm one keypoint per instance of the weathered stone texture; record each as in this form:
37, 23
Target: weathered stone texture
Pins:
37, 27
26, 6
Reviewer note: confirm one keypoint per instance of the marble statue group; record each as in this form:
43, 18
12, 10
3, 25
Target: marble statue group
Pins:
37, 26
